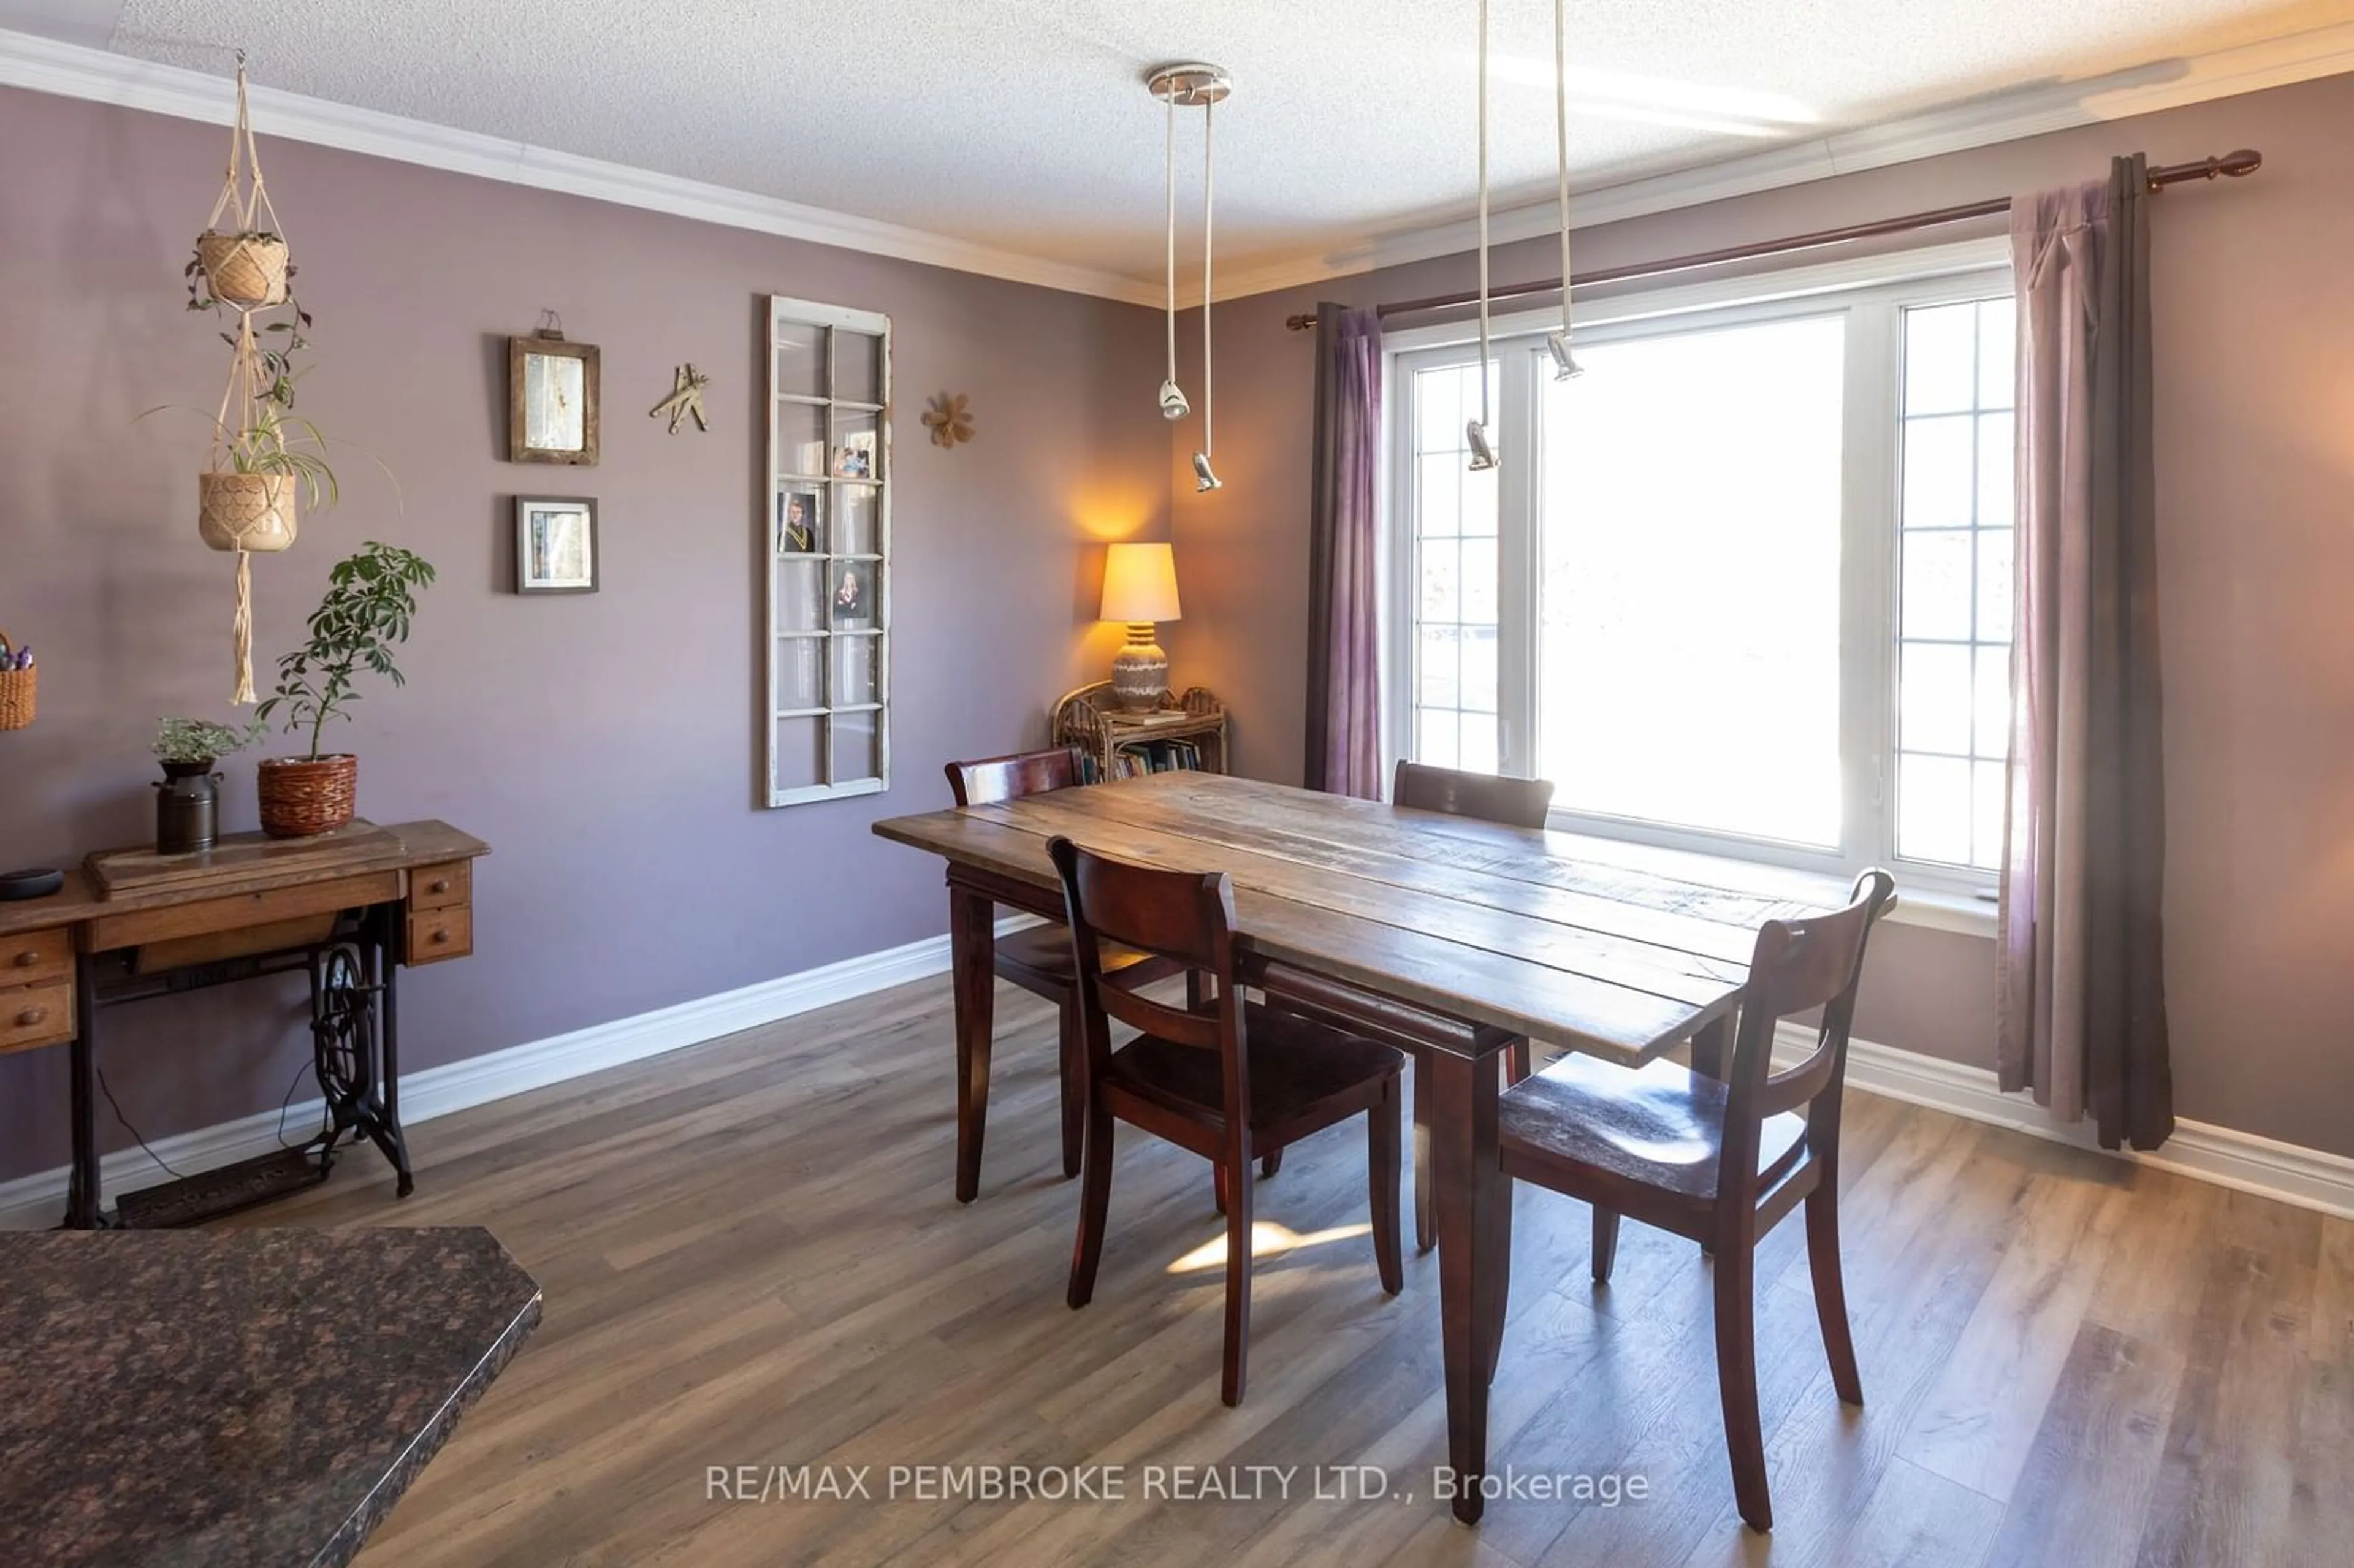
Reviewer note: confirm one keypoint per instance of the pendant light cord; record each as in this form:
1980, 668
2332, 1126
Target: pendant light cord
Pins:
1209, 171
1170, 272
1483, 218
1561, 144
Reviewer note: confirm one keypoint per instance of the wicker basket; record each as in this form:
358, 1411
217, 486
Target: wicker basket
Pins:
20, 692
246, 271
251, 512
300, 795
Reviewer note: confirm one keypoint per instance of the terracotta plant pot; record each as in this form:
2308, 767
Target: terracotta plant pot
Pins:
245, 511
300, 795
247, 271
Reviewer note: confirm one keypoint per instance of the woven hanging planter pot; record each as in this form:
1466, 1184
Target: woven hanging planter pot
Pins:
302, 796
245, 271
250, 511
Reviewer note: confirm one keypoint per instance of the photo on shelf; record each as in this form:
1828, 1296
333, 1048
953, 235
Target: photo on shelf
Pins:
854, 459
798, 513
853, 594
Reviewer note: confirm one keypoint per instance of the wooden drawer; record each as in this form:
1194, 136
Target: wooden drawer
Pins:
438, 934
36, 957
442, 886
36, 1016
205, 916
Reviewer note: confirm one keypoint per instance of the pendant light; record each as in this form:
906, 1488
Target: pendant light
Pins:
1557, 344
1203, 87
1172, 397
1475, 432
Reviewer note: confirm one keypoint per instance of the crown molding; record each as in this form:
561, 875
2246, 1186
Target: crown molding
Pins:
99, 76
73, 71
1984, 121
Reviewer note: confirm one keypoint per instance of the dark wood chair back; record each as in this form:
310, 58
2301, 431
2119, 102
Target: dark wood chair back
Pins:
1184, 916
1796, 967
1516, 803
1007, 778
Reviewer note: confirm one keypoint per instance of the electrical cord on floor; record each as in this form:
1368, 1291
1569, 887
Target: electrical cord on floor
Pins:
289, 1100
107, 1089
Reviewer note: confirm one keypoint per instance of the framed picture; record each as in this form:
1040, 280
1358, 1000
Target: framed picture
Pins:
555, 544
799, 518
551, 401
853, 592
854, 459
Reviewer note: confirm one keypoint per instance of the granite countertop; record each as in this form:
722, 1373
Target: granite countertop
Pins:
187, 1399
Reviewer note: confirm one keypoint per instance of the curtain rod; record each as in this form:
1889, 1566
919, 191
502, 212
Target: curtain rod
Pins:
2244, 162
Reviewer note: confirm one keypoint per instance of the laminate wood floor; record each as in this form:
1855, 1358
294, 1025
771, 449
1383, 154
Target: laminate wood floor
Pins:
752, 1258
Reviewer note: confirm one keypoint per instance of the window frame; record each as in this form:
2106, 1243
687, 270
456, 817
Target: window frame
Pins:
1871, 292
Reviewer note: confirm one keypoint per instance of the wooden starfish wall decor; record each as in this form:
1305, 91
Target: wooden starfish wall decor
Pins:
685, 399
949, 419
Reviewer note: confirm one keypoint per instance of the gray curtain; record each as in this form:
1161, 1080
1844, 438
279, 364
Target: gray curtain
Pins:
2082, 996
1344, 686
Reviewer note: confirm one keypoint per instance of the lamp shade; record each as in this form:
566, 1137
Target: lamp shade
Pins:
1139, 583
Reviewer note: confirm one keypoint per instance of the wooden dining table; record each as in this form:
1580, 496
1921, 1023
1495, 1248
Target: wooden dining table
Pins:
1448, 935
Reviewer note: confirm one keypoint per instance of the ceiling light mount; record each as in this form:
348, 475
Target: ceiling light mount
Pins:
1190, 84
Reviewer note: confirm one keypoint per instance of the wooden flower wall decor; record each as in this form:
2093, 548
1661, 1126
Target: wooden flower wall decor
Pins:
949, 419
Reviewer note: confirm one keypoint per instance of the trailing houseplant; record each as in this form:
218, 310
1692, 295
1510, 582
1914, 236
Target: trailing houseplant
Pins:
370, 602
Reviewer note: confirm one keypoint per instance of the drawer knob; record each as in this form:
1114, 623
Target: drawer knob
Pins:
31, 1016
440, 934
28, 958
440, 885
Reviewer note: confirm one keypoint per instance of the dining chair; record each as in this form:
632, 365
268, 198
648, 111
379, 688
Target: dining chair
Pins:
1038, 958
1717, 1162
1227, 1078
1515, 803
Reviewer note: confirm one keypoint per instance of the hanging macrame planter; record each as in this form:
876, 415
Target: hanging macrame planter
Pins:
246, 496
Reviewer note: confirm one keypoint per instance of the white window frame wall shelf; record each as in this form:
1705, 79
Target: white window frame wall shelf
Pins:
828, 733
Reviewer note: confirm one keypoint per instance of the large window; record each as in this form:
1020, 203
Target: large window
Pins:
1743, 587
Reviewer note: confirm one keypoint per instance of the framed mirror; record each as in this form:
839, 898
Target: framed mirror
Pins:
551, 400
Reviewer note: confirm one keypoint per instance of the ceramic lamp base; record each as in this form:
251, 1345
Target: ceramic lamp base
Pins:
1140, 673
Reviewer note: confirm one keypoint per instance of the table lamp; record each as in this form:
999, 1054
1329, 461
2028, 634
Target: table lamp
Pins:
1140, 588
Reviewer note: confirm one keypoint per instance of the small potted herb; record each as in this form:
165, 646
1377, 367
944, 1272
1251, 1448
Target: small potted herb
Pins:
371, 598
187, 802
189, 747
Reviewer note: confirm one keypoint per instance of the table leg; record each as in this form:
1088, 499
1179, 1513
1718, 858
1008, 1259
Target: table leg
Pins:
1466, 1192
1711, 1057
1711, 1045
84, 1201
973, 949
388, 976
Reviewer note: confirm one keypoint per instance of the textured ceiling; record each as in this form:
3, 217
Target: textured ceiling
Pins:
1022, 123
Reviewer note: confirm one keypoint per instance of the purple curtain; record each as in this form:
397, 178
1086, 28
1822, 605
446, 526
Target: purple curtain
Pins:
1344, 694
2083, 998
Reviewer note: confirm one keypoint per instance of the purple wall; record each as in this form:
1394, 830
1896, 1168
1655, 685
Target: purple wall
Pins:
607, 747
2254, 303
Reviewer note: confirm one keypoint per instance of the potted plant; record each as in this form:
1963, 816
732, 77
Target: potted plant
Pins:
250, 503
247, 270
371, 598
187, 802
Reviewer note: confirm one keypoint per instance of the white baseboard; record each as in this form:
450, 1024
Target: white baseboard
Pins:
37, 1202
2309, 1178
